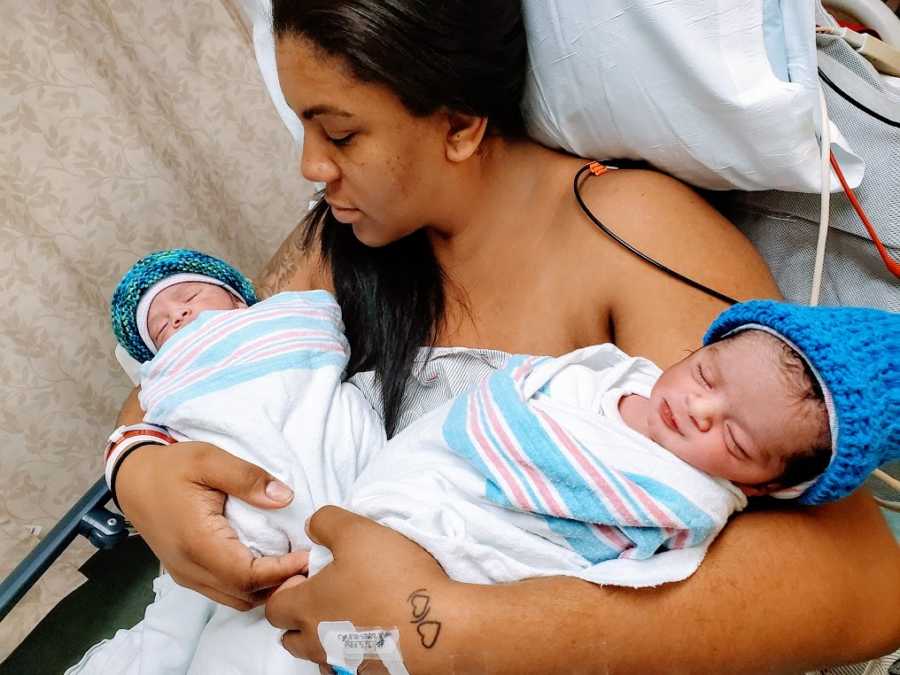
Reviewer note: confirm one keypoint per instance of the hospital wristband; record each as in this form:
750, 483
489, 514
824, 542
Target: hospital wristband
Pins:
126, 439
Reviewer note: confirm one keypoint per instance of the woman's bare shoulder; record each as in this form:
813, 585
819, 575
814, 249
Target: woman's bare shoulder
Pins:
669, 221
295, 267
652, 313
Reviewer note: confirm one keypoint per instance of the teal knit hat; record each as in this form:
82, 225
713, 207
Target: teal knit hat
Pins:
855, 354
148, 272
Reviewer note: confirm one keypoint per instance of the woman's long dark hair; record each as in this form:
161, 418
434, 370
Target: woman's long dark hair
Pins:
465, 56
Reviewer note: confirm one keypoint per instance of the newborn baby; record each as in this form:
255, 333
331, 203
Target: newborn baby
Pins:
261, 380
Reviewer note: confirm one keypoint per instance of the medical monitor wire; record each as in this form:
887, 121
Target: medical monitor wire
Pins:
598, 169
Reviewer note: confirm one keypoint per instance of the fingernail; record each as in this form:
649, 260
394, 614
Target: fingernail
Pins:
279, 492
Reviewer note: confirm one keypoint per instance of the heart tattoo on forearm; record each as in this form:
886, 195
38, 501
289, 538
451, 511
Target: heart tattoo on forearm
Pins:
428, 629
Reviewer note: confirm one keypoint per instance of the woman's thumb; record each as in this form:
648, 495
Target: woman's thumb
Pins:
246, 481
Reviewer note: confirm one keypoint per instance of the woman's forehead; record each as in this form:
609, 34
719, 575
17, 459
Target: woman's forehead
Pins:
303, 66
315, 83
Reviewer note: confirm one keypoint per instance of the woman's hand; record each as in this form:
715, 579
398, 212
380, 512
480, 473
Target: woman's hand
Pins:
379, 579
175, 496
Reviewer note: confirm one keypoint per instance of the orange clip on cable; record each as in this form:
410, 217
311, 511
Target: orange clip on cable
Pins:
597, 168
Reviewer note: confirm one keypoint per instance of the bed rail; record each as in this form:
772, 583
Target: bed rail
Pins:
88, 517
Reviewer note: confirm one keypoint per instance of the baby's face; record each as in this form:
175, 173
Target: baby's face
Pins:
176, 306
727, 410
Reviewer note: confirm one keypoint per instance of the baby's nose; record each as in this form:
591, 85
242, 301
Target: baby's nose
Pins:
703, 411
182, 315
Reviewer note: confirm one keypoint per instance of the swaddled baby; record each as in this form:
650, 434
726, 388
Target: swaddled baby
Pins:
619, 473
261, 380
593, 464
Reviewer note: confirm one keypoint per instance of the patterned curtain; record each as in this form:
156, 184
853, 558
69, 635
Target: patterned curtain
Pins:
125, 127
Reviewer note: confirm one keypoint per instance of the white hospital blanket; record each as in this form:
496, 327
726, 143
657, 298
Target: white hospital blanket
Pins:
264, 383
534, 473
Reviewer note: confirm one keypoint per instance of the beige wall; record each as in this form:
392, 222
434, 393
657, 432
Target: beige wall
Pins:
125, 126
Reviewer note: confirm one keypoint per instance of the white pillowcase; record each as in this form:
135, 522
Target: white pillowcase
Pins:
720, 93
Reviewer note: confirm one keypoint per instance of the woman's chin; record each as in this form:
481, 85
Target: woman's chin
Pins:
371, 237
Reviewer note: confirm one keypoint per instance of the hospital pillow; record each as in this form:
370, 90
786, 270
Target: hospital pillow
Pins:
720, 93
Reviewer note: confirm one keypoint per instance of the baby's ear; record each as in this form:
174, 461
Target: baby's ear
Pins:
759, 490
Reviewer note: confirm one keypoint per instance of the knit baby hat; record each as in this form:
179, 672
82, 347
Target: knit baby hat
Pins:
149, 271
854, 352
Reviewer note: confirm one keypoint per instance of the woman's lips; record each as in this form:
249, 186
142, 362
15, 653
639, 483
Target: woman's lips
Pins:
344, 215
665, 413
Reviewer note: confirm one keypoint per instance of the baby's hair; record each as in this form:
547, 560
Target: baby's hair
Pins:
805, 463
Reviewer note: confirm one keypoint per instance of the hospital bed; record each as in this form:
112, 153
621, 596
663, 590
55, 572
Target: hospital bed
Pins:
89, 517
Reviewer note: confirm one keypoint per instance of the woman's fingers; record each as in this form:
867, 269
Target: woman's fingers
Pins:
239, 604
175, 497
224, 563
270, 571
284, 606
369, 582
303, 645
284, 609
224, 472
332, 526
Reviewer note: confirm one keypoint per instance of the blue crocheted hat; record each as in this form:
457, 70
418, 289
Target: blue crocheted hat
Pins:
855, 354
154, 268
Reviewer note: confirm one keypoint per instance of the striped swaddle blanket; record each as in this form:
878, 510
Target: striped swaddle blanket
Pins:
265, 384
532, 472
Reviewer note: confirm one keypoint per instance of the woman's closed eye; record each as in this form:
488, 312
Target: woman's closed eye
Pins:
341, 141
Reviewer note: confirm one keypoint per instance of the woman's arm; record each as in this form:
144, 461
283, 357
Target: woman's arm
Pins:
750, 608
131, 412
775, 594
175, 495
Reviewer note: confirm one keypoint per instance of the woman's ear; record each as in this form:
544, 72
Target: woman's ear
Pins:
464, 135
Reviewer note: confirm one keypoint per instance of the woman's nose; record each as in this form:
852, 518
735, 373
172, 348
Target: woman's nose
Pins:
703, 410
315, 164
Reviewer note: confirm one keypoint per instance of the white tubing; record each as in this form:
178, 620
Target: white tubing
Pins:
887, 478
825, 204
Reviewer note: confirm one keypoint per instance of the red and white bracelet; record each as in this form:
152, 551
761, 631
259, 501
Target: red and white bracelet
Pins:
125, 440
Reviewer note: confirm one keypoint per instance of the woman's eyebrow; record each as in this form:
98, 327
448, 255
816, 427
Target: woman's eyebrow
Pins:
317, 110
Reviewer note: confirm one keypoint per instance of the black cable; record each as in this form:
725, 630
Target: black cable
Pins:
690, 282
854, 102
